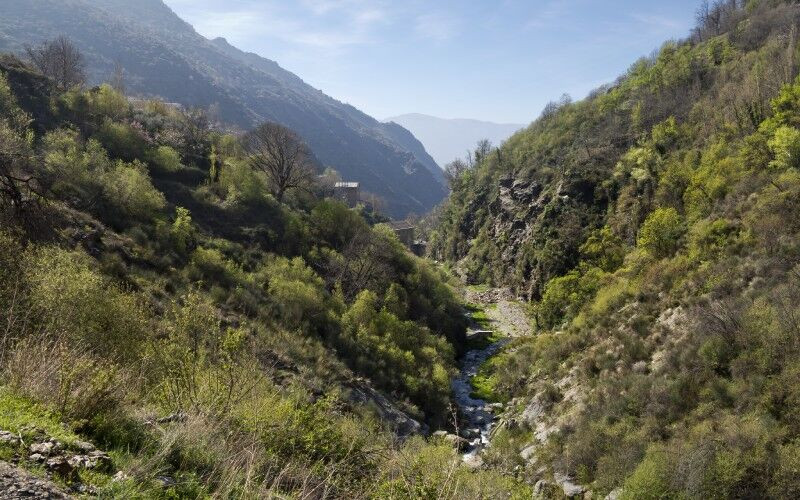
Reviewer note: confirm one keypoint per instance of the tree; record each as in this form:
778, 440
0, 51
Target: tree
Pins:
454, 170
661, 232
117, 81
61, 61
282, 156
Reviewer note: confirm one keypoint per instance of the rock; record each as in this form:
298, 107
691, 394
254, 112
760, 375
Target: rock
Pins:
457, 442
60, 465
570, 488
534, 411
473, 461
402, 424
119, 477
9, 438
640, 367
614, 495
439, 434
84, 446
543, 489
470, 433
166, 481
528, 452
36, 457
175, 417
46, 448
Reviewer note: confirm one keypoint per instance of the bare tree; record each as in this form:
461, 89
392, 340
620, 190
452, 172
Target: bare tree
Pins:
61, 61
454, 170
282, 156
118, 78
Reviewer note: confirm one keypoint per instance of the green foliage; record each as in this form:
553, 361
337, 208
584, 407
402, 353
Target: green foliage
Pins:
401, 355
785, 146
166, 159
661, 233
74, 300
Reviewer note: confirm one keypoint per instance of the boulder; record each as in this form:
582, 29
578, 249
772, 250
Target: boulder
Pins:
61, 466
570, 488
528, 452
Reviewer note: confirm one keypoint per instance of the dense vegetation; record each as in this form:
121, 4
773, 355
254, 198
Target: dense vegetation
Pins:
147, 272
654, 228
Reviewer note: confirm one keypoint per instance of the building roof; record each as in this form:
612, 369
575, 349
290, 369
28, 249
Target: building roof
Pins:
346, 184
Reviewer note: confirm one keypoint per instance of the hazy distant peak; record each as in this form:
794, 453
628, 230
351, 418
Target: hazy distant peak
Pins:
448, 139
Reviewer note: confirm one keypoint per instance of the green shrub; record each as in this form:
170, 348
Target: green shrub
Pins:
128, 190
661, 233
166, 159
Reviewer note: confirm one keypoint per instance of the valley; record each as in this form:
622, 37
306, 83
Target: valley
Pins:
218, 282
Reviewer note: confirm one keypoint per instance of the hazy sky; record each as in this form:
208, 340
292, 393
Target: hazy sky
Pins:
500, 60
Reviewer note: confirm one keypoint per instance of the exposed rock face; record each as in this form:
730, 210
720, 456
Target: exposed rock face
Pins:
520, 215
399, 421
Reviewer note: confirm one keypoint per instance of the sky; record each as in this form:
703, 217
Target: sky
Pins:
493, 60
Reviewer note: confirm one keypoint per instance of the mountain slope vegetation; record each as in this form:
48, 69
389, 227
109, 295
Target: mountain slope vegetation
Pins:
162, 56
653, 229
160, 303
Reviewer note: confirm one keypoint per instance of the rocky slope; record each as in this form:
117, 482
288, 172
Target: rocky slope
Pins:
653, 227
163, 56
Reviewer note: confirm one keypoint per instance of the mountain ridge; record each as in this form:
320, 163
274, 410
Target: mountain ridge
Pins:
164, 56
449, 138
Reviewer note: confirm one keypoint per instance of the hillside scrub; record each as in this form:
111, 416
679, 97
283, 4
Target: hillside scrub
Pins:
160, 302
654, 228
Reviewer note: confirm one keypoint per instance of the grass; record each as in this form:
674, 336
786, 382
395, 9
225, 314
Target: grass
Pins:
484, 383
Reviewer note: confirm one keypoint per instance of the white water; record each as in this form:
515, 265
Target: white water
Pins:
475, 413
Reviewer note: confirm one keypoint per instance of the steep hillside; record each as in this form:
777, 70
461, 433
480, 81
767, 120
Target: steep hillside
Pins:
169, 330
447, 140
653, 229
163, 56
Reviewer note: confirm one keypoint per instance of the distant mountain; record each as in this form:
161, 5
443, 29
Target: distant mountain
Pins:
164, 56
447, 140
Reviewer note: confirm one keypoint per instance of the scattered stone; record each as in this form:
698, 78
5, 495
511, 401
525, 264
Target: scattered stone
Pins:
36, 457
174, 418
47, 448
91, 461
614, 495
84, 446
9, 438
528, 452
120, 476
570, 488
61, 466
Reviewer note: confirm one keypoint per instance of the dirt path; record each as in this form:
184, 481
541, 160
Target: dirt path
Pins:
506, 315
15, 484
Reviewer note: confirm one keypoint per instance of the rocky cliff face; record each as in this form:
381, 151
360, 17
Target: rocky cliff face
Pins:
163, 56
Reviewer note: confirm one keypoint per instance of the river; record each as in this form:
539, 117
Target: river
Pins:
477, 418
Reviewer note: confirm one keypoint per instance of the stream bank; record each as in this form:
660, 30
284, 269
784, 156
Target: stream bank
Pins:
502, 319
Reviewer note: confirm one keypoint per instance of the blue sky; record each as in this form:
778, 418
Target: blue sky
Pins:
500, 60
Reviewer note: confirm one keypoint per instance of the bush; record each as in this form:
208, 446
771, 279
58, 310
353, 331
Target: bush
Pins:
73, 301
785, 146
661, 233
128, 190
166, 159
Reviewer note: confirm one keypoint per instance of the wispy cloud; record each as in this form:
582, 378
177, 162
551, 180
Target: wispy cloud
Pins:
437, 26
